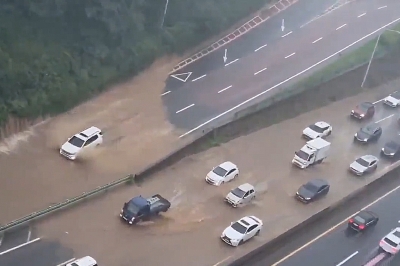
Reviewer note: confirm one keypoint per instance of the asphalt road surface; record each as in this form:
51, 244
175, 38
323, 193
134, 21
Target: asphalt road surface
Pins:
199, 103
191, 217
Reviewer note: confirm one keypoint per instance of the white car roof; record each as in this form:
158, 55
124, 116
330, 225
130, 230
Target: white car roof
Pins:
227, 165
368, 158
90, 131
248, 221
322, 124
246, 187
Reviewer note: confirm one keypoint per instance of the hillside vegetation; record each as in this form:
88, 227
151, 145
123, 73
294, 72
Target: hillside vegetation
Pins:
55, 54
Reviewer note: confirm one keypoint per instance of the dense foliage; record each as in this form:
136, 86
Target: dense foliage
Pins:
55, 54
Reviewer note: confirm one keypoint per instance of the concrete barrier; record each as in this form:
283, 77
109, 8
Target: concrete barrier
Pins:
259, 252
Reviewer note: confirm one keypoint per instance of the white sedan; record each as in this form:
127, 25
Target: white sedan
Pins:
242, 230
393, 100
317, 130
224, 172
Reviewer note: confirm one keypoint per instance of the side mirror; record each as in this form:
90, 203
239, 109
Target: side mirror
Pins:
231, 223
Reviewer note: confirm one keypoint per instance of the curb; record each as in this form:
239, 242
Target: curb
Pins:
391, 174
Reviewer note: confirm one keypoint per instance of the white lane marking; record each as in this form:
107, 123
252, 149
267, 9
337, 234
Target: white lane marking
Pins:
344, 25
288, 79
317, 40
347, 259
331, 9
383, 119
183, 109
259, 71
165, 93
65, 262
378, 101
230, 86
20, 246
290, 32
382, 7
292, 54
199, 77
363, 14
1, 239
237, 59
259, 48
335, 226
222, 261
29, 235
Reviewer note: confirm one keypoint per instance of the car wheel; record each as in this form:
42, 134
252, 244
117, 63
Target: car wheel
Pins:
329, 133
241, 242
235, 176
258, 232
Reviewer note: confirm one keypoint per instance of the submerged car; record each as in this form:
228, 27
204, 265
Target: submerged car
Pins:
312, 190
393, 100
362, 221
317, 130
368, 133
391, 149
224, 172
363, 165
242, 230
241, 195
363, 110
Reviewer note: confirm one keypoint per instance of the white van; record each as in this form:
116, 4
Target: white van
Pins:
85, 261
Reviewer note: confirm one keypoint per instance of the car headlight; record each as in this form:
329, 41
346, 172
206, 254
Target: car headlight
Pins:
362, 115
235, 240
365, 139
355, 135
352, 111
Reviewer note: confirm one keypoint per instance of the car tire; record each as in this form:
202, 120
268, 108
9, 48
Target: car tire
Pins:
329, 133
235, 176
258, 233
240, 242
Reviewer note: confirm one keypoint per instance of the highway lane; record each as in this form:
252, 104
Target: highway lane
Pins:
192, 225
266, 33
202, 95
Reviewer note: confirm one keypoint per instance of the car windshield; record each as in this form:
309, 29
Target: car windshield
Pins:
363, 107
76, 141
396, 95
316, 128
362, 162
368, 130
359, 220
311, 187
219, 171
392, 145
132, 208
302, 154
238, 192
238, 227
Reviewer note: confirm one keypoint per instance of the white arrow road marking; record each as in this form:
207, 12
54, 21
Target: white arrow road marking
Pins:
283, 25
225, 57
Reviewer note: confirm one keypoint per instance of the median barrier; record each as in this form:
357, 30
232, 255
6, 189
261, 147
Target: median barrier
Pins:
280, 240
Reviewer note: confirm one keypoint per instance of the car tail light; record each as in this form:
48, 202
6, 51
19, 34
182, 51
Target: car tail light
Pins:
361, 226
351, 221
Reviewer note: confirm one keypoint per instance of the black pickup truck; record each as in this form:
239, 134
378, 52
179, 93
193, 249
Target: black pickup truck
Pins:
140, 208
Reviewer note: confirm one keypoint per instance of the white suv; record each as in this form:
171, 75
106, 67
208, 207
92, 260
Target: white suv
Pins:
391, 242
90, 137
85, 261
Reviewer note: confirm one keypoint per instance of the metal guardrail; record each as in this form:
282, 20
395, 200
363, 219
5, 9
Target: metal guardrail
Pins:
67, 203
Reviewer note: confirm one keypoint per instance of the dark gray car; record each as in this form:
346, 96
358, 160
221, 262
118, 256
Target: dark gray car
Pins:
368, 133
312, 190
391, 149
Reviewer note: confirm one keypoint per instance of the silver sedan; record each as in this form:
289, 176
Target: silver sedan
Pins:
364, 164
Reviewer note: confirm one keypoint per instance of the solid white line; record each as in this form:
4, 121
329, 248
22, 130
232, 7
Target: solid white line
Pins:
199, 77
347, 259
378, 101
222, 261
258, 72
383, 119
230, 86
259, 48
288, 79
338, 28
363, 14
292, 54
65, 262
1, 239
290, 32
334, 227
183, 109
317, 40
165, 93
29, 236
382, 7
237, 59
19, 246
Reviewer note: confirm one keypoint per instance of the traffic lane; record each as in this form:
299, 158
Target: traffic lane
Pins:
339, 244
40, 253
268, 32
244, 88
16, 238
199, 214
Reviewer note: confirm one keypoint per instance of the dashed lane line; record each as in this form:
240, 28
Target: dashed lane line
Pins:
165, 93
382, 7
237, 59
363, 14
199, 77
183, 109
317, 40
290, 32
19, 246
259, 71
227, 88
383, 119
259, 48
344, 25
292, 54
